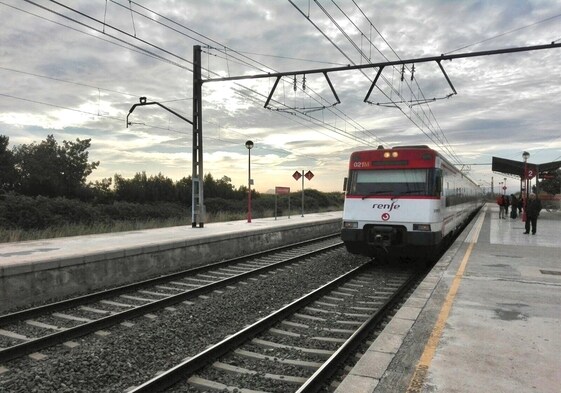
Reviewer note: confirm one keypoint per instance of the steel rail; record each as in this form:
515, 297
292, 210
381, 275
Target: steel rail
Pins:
19, 350
201, 360
80, 300
320, 377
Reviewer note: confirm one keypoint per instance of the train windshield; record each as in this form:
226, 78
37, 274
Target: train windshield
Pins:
395, 182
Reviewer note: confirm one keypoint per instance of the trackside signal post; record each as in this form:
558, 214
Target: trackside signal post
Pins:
297, 176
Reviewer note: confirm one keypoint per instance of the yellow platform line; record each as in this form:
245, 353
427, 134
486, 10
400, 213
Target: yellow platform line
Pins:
418, 379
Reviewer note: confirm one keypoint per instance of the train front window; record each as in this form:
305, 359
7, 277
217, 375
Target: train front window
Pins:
392, 182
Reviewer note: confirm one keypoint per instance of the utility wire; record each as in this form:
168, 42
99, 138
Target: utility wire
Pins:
505, 33
112, 36
259, 64
439, 141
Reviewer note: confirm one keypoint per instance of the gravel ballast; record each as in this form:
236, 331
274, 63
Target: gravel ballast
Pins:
129, 356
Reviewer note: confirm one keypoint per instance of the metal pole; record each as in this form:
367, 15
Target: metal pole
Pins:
525, 194
302, 193
198, 207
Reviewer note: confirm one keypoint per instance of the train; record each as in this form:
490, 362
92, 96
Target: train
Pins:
405, 203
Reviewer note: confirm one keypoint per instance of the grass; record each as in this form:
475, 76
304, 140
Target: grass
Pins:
18, 235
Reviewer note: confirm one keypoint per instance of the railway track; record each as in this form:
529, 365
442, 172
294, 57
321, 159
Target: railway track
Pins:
297, 347
31, 330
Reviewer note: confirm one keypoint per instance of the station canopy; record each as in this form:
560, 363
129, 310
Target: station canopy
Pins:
516, 168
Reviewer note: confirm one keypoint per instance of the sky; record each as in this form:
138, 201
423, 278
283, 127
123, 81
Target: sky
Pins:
74, 69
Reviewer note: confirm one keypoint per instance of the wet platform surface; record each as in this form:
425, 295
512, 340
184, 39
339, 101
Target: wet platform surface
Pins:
486, 319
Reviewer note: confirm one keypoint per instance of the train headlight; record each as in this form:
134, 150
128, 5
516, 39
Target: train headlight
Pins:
421, 227
350, 224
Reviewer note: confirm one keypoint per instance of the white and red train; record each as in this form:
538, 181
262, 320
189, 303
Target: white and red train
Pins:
405, 202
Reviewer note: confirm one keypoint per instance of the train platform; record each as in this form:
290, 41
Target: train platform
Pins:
487, 318
42, 270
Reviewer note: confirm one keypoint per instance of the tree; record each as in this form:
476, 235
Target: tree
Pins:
130, 190
51, 170
75, 166
552, 186
99, 191
184, 189
39, 168
160, 188
225, 189
8, 173
210, 188
144, 189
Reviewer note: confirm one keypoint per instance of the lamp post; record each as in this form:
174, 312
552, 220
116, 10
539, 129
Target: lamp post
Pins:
525, 157
504, 187
249, 145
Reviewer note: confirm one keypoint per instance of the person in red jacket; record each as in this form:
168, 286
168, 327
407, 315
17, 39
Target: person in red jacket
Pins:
502, 204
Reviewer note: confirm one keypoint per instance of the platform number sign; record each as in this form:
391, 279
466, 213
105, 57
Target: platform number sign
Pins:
296, 175
309, 175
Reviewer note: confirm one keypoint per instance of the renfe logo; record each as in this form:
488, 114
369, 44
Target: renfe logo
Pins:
386, 206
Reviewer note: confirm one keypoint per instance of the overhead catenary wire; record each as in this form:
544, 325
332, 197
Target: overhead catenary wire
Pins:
198, 40
348, 57
418, 120
505, 33
446, 143
435, 138
105, 25
218, 48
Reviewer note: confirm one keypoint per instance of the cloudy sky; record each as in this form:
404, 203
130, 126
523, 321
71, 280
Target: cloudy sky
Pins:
74, 68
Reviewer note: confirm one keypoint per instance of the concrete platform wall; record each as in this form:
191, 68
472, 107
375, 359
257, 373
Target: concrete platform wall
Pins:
48, 280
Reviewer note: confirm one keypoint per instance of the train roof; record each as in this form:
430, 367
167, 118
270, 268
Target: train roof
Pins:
421, 148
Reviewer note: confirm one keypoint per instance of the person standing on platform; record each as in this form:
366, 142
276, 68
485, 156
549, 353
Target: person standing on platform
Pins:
507, 203
514, 208
533, 208
501, 203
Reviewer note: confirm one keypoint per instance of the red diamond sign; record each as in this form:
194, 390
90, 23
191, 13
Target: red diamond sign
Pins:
309, 175
296, 175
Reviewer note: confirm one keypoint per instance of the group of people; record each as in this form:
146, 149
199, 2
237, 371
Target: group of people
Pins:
504, 202
533, 208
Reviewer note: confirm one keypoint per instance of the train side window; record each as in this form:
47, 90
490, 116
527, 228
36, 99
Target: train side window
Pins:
352, 183
438, 182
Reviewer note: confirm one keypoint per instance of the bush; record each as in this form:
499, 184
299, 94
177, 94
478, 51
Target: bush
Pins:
65, 217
